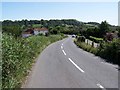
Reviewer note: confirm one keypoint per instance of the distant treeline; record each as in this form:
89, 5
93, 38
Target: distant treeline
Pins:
66, 26
45, 23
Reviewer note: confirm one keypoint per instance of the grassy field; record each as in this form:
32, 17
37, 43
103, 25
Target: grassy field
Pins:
19, 54
36, 25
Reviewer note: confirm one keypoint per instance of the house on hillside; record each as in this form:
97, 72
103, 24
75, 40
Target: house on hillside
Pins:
43, 31
34, 31
28, 32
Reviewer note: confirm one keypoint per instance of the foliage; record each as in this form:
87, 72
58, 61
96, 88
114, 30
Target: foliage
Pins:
36, 25
86, 47
97, 40
93, 23
18, 54
104, 27
64, 29
98, 30
15, 30
45, 23
108, 50
94, 31
118, 29
81, 39
66, 26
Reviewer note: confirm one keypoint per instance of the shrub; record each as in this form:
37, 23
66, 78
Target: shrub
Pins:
110, 51
107, 50
18, 56
81, 39
40, 34
47, 34
97, 40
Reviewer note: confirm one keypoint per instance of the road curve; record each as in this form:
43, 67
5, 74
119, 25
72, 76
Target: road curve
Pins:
64, 65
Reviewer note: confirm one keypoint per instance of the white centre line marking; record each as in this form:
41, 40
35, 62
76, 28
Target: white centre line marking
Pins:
100, 86
76, 65
61, 47
64, 52
62, 44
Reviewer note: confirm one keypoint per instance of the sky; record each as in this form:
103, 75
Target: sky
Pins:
59, 0
82, 11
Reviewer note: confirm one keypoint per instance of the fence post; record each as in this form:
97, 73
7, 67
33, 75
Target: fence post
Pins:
87, 41
92, 44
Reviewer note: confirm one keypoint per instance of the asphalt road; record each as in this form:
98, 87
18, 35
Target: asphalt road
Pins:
64, 65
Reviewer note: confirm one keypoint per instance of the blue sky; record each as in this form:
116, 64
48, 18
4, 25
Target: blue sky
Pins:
82, 11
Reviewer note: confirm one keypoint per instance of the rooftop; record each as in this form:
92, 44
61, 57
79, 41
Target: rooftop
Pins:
41, 29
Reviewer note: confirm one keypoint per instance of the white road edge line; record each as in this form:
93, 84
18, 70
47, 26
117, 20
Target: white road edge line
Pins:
76, 65
100, 86
64, 52
61, 47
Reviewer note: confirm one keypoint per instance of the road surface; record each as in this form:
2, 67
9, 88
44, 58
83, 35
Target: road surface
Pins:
64, 65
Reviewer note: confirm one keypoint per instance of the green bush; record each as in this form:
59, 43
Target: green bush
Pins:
18, 56
110, 51
97, 40
81, 39
107, 50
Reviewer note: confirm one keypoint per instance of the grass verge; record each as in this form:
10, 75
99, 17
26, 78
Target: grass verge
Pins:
86, 47
109, 51
19, 54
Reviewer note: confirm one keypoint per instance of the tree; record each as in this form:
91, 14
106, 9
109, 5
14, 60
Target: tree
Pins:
14, 30
104, 27
118, 29
55, 31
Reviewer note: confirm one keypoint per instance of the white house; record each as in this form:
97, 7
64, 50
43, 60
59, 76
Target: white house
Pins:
40, 31
28, 33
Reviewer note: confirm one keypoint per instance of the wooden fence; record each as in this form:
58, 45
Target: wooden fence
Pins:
92, 43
